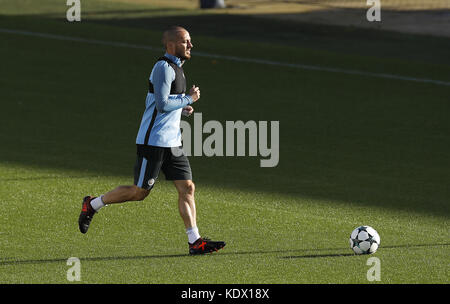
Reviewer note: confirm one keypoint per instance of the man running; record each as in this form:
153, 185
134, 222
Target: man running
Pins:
159, 142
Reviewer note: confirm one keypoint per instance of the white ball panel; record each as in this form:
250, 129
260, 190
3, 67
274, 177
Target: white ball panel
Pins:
354, 233
370, 230
373, 248
364, 246
377, 239
362, 236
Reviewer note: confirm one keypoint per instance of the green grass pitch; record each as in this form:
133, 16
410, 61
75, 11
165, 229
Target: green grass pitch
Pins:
354, 150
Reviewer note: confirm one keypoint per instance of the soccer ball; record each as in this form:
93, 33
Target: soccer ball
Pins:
364, 240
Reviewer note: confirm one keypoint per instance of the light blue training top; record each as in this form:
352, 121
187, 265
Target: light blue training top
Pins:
165, 131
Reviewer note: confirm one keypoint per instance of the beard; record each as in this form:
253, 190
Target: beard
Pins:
183, 54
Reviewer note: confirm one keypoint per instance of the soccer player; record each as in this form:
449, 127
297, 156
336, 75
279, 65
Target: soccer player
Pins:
159, 142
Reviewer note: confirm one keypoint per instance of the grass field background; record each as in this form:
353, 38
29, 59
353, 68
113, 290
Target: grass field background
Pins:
354, 149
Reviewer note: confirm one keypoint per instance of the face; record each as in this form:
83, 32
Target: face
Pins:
183, 45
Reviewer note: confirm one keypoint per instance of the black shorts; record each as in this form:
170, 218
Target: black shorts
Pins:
151, 160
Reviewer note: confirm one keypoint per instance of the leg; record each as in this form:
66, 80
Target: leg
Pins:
186, 206
124, 194
186, 202
119, 195
145, 175
178, 169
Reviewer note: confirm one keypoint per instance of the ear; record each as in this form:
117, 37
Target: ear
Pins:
170, 45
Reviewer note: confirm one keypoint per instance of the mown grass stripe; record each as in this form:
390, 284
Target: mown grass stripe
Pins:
232, 58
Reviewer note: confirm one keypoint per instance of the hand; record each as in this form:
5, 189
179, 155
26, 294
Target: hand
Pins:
187, 111
194, 92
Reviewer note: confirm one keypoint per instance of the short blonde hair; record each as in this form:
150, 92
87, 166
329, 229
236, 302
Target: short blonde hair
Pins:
171, 34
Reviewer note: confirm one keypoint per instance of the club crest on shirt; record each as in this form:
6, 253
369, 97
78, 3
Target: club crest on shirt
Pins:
177, 151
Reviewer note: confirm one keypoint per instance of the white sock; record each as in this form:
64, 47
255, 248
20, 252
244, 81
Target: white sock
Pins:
193, 234
97, 203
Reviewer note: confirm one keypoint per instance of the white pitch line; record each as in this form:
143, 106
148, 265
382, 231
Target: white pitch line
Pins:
231, 58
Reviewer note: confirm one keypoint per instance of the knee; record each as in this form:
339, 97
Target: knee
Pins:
188, 189
140, 194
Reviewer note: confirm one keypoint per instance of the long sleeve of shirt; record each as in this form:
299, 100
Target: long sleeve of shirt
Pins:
163, 75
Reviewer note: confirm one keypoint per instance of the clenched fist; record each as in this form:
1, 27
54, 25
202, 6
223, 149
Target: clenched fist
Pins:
194, 92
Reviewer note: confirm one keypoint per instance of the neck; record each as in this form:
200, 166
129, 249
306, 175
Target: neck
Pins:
178, 61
